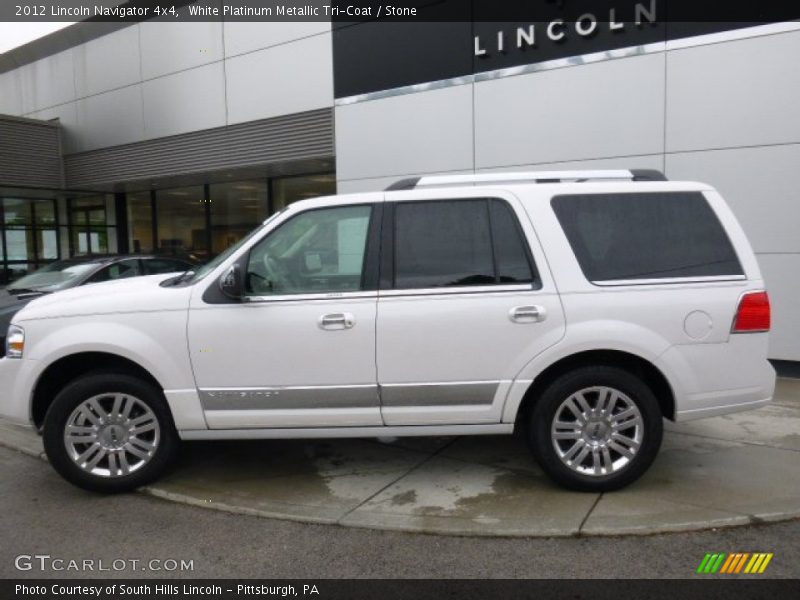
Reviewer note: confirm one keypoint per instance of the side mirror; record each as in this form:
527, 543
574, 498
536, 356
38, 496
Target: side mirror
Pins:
232, 283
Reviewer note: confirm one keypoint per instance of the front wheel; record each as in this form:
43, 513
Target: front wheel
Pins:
596, 429
109, 432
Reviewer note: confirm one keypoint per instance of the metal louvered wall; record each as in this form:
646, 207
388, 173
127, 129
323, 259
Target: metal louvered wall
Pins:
30, 153
298, 136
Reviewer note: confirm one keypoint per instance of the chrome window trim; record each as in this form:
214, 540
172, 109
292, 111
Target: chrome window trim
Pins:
669, 280
308, 297
460, 290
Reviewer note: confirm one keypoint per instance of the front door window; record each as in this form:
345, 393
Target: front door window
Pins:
317, 251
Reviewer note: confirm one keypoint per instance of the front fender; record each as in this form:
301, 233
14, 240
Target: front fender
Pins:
155, 343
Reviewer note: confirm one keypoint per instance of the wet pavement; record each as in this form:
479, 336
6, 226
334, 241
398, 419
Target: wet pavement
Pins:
730, 470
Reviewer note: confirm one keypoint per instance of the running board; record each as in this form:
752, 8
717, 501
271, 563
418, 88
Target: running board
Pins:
345, 432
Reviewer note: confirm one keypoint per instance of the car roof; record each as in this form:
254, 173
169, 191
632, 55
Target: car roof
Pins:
111, 258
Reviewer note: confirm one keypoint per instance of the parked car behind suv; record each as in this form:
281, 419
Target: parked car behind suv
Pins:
81, 270
578, 308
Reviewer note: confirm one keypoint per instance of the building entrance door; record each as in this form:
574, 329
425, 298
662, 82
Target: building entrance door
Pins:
89, 233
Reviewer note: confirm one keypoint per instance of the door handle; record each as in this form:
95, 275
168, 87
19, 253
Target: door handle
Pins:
335, 321
527, 314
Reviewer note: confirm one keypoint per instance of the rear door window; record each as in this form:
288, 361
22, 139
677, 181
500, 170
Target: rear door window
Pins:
640, 236
453, 243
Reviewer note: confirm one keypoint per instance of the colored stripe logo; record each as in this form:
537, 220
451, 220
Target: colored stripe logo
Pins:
735, 563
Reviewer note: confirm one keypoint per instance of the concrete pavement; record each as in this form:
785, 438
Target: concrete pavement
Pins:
725, 471
42, 514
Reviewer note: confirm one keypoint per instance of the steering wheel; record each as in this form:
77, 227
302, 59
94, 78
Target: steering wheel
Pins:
275, 273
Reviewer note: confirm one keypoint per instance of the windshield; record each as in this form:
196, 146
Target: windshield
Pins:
200, 272
55, 276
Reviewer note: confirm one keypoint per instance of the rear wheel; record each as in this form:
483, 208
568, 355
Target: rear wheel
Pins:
109, 432
596, 429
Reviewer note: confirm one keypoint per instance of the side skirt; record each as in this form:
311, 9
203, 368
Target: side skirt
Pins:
345, 432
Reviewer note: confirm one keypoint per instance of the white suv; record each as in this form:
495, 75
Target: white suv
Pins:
577, 308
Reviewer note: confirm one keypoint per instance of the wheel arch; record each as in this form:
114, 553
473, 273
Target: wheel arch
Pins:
628, 361
69, 368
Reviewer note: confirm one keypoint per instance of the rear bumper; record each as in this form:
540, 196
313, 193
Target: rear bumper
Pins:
715, 379
721, 409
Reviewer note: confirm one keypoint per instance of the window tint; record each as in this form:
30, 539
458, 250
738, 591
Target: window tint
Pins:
645, 236
120, 270
442, 243
511, 252
316, 251
450, 243
156, 266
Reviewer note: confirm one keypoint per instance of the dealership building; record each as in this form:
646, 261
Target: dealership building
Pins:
179, 137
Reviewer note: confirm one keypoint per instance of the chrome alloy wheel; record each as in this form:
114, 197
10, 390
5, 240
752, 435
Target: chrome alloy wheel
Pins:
112, 435
597, 431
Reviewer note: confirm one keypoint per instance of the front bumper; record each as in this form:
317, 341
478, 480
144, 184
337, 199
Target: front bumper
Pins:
15, 390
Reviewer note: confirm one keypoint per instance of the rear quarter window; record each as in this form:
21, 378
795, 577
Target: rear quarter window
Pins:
640, 236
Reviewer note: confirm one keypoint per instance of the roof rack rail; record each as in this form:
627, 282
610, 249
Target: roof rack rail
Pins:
527, 177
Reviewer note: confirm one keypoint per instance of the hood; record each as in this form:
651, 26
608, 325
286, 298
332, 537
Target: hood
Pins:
136, 294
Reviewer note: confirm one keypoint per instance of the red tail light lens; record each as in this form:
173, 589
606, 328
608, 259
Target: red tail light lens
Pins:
753, 313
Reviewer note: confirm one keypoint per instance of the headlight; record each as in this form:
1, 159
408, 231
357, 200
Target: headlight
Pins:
15, 342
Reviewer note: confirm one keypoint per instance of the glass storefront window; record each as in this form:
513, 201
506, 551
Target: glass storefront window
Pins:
47, 244
16, 212
45, 212
182, 222
290, 189
236, 209
19, 244
140, 222
28, 235
89, 228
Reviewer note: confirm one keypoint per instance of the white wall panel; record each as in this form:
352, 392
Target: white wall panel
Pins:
651, 161
169, 46
108, 62
11, 93
247, 36
290, 78
426, 132
739, 93
606, 109
780, 272
48, 82
185, 101
760, 184
110, 119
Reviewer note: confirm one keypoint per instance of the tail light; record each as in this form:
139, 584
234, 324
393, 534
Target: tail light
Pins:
753, 313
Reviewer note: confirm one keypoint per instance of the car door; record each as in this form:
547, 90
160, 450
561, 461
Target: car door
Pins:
299, 351
465, 302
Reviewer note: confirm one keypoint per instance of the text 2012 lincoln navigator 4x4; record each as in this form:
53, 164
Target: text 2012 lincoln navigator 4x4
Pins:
579, 308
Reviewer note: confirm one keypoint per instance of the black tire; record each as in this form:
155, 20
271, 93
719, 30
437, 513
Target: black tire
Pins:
100, 384
543, 446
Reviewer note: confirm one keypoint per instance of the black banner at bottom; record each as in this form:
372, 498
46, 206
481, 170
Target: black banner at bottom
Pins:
405, 589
